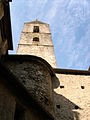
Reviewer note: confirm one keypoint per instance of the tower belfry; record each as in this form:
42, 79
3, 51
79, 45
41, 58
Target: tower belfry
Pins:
36, 40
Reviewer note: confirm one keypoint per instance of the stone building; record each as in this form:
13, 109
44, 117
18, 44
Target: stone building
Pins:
70, 87
25, 81
33, 88
26, 89
19, 100
36, 40
5, 28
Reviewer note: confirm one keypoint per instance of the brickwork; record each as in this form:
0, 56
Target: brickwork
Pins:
71, 96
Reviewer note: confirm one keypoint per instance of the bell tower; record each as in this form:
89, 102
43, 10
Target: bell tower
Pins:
36, 40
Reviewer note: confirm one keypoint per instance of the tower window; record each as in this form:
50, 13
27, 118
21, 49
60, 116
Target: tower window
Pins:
61, 86
36, 29
82, 87
36, 39
76, 107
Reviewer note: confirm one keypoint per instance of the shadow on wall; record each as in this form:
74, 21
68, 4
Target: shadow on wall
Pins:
64, 108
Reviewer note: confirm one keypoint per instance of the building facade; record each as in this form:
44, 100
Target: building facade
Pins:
36, 40
70, 87
33, 88
5, 28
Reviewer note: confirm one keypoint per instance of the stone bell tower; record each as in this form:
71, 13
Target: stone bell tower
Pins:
36, 40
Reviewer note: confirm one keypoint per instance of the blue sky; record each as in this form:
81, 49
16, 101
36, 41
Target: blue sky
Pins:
69, 24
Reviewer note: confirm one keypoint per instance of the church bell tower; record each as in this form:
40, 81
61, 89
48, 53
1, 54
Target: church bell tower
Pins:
36, 40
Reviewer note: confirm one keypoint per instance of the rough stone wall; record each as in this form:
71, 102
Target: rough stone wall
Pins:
37, 80
44, 39
43, 28
7, 103
44, 52
71, 96
32, 114
42, 48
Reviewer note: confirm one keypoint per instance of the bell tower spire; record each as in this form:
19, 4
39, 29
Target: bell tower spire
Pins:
36, 40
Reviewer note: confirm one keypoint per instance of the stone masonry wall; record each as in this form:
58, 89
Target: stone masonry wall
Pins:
42, 48
32, 114
44, 52
7, 103
71, 96
28, 27
44, 39
37, 80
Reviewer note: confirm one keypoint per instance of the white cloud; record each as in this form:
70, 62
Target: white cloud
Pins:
66, 19
51, 13
73, 15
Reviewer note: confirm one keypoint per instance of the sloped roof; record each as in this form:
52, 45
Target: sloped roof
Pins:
71, 71
36, 22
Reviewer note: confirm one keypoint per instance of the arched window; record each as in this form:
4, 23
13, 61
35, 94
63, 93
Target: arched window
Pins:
36, 39
36, 29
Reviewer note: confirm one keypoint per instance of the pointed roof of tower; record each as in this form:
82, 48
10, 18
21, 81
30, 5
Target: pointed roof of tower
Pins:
36, 22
